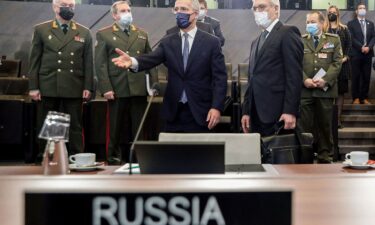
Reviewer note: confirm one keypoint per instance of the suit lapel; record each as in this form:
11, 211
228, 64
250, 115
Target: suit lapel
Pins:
57, 32
177, 48
120, 34
252, 55
310, 44
133, 36
197, 43
70, 35
269, 39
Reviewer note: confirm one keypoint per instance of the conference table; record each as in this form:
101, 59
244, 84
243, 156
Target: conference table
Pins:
323, 194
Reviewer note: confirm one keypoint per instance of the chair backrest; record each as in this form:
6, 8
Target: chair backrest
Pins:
10, 68
239, 148
243, 75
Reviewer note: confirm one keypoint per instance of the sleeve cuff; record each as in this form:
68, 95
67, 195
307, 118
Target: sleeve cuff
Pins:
134, 66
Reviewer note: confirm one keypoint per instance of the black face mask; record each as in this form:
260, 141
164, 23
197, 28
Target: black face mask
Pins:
66, 13
332, 17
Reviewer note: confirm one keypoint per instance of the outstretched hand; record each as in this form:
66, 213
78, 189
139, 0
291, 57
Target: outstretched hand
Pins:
123, 61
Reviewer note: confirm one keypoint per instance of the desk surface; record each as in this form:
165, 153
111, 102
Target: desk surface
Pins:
322, 194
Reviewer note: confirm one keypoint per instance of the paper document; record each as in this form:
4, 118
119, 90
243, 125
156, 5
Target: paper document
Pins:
125, 169
319, 75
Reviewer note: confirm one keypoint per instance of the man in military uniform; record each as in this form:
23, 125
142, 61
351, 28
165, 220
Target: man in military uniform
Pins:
321, 66
61, 69
125, 91
215, 24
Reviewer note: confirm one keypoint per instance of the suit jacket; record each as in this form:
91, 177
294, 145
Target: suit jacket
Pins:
110, 77
204, 81
275, 76
358, 39
200, 25
61, 65
215, 24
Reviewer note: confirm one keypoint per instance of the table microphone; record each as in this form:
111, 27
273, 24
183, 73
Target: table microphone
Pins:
155, 91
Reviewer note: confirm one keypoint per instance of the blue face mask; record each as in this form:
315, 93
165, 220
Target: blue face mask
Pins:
183, 20
125, 19
312, 28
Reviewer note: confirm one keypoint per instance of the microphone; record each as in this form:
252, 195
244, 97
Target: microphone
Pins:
155, 89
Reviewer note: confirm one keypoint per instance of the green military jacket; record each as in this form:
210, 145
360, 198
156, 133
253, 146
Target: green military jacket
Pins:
61, 65
328, 55
112, 78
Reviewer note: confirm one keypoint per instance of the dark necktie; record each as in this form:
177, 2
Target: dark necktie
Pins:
126, 31
185, 57
262, 39
64, 28
316, 41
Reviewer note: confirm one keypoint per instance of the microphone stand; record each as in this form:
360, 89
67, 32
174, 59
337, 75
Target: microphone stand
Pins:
131, 151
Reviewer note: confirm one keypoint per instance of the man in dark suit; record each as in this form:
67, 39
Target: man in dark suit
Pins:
61, 69
363, 40
197, 79
275, 72
215, 24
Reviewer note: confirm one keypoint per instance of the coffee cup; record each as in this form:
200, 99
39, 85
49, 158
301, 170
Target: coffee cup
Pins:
83, 159
357, 157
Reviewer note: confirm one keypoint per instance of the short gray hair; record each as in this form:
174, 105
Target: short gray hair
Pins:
114, 5
277, 3
196, 5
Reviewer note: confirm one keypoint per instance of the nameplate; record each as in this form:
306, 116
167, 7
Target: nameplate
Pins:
214, 208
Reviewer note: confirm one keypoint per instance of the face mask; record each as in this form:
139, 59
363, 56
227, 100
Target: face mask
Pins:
125, 19
332, 17
202, 14
183, 20
262, 20
312, 28
361, 12
66, 13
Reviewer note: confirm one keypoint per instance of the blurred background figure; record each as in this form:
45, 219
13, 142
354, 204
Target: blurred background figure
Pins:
333, 25
215, 24
363, 40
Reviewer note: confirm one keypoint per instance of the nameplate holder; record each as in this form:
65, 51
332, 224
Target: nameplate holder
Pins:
257, 207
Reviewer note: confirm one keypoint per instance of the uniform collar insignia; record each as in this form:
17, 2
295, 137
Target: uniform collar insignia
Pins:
133, 28
54, 24
115, 28
74, 26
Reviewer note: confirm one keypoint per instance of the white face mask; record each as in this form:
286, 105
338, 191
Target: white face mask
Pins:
361, 12
202, 14
262, 19
125, 19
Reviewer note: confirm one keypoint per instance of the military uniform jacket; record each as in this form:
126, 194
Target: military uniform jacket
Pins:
328, 55
112, 78
61, 65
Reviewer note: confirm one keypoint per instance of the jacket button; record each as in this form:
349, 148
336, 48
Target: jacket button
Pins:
71, 71
58, 70
59, 53
59, 61
71, 62
72, 53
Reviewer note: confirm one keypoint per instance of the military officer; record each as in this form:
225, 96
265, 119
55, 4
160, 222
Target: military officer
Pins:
61, 69
321, 66
125, 91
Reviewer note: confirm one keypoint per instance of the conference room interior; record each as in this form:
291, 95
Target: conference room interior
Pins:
239, 190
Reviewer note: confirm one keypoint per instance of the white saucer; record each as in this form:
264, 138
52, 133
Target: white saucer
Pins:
97, 165
348, 163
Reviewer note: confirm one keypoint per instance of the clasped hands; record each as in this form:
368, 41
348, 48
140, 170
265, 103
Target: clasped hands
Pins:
315, 83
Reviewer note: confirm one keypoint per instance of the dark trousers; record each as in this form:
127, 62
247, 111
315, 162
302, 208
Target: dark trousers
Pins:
71, 106
316, 118
124, 113
361, 74
184, 121
257, 126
